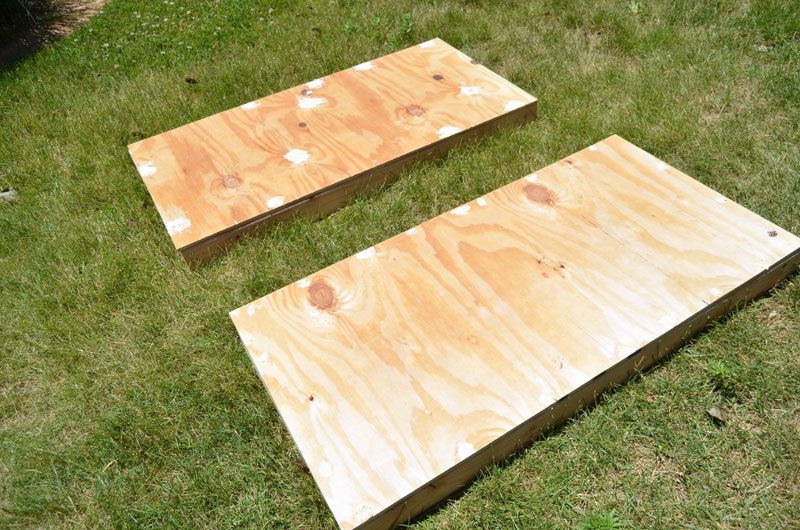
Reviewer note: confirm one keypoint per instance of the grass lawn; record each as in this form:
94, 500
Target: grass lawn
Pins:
127, 399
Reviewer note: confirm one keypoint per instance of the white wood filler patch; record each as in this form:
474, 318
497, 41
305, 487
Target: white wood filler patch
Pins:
147, 169
297, 156
274, 202
470, 90
263, 362
461, 210
546, 399
448, 130
247, 338
427, 44
315, 84
251, 105
178, 225
366, 254
310, 103
513, 105
464, 450
364, 66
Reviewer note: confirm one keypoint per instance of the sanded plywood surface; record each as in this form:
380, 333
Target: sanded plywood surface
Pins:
404, 369
221, 175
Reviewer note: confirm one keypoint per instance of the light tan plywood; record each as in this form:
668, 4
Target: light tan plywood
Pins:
403, 370
309, 149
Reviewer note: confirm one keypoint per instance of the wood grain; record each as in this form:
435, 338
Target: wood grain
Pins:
307, 150
403, 370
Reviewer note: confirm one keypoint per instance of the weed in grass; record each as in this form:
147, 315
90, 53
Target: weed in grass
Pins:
605, 521
722, 378
407, 25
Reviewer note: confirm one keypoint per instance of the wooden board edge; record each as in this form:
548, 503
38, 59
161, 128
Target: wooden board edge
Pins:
460, 475
335, 196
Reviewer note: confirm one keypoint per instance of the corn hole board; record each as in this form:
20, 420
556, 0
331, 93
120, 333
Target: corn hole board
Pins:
310, 148
405, 369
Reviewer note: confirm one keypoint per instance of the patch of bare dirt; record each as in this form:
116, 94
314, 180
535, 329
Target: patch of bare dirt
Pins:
60, 19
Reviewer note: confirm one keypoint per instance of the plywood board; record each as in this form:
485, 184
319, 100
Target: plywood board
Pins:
310, 148
403, 370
